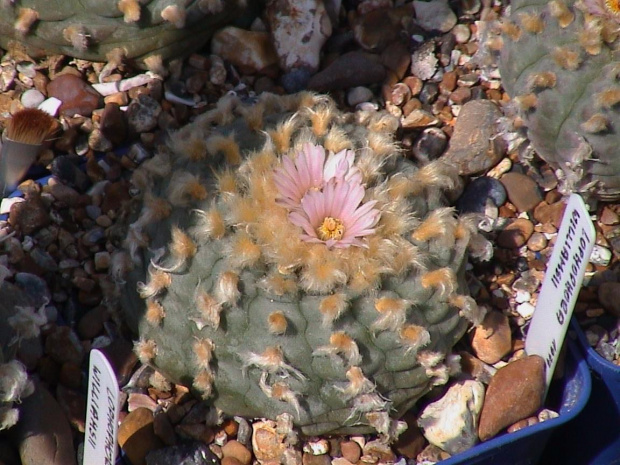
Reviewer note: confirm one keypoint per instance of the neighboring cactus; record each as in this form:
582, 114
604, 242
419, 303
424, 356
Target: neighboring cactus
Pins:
273, 278
559, 64
143, 31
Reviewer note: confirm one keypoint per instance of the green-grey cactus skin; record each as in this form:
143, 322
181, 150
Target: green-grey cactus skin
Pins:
559, 63
137, 30
278, 347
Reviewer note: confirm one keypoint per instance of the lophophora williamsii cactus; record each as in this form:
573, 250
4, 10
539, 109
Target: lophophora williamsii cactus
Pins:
559, 64
143, 31
284, 257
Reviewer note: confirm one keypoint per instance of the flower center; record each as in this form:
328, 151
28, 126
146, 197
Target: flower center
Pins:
331, 228
613, 6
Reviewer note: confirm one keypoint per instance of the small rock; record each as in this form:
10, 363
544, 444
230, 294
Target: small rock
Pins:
359, 95
235, 449
73, 404
600, 256
418, 119
299, 29
396, 58
409, 444
29, 216
550, 214
609, 217
121, 356
66, 169
113, 124
522, 424
77, 96
64, 194
435, 16
91, 324
492, 340
514, 393
296, 79
451, 422
251, 51
478, 192
136, 435
475, 367
311, 459
475, 145
462, 33
267, 442
522, 191
64, 346
377, 29
424, 62
516, 234
43, 434
348, 70
526, 310
430, 144
191, 453
432, 454
32, 98
351, 451
142, 113
537, 242
608, 294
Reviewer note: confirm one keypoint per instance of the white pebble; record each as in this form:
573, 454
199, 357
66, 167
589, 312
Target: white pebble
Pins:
522, 296
5, 206
600, 256
359, 95
461, 33
526, 310
32, 98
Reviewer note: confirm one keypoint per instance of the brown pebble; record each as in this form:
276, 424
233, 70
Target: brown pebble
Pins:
76, 95
136, 435
551, 214
608, 295
537, 242
522, 191
311, 459
29, 216
351, 451
267, 442
71, 375
461, 96
529, 421
235, 449
515, 392
492, 340
516, 234
231, 461
409, 444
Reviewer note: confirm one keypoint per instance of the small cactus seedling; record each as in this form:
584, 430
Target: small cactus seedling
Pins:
143, 31
559, 64
284, 257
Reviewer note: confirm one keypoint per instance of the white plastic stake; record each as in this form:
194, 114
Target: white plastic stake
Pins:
100, 446
561, 284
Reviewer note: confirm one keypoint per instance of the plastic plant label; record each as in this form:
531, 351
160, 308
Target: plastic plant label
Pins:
561, 284
102, 412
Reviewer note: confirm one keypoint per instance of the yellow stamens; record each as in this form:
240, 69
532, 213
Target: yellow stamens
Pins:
613, 6
331, 228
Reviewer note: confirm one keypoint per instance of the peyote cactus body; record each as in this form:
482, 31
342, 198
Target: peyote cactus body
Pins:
285, 258
145, 32
559, 64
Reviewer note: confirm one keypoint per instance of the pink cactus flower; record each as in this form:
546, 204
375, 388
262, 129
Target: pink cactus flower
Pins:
334, 215
310, 170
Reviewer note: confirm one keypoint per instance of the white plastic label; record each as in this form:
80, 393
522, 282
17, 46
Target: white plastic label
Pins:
102, 412
561, 284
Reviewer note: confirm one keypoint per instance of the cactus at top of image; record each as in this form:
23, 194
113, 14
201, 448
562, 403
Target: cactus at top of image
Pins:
144, 32
559, 64
283, 257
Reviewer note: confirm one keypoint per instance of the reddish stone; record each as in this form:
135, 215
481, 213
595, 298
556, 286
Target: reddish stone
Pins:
76, 95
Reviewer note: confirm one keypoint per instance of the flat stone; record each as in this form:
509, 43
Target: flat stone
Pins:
435, 16
516, 234
299, 29
514, 393
451, 422
267, 442
523, 192
492, 340
424, 62
235, 449
43, 434
475, 145
348, 70
136, 435
550, 214
77, 96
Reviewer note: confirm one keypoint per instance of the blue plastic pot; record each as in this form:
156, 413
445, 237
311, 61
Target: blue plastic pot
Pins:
568, 397
593, 438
